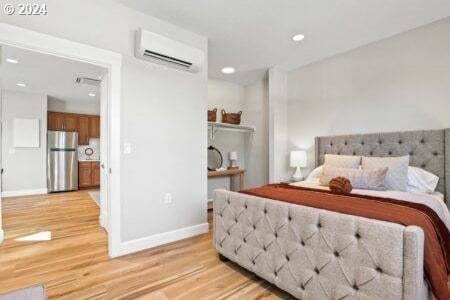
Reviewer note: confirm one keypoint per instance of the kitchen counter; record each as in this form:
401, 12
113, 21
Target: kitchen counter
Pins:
89, 160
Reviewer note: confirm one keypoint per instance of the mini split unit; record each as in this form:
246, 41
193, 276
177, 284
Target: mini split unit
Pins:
161, 50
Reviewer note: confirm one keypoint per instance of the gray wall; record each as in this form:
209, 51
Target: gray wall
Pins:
25, 168
231, 97
159, 105
252, 148
400, 83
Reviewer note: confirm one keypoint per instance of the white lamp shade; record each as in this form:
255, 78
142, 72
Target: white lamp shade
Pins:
233, 155
298, 159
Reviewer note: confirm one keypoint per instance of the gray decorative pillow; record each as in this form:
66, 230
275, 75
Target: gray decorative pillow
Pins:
373, 179
342, 161
397, 175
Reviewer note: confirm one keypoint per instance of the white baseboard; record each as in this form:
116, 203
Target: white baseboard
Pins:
103, 220
160, 239
24, 192
2, 235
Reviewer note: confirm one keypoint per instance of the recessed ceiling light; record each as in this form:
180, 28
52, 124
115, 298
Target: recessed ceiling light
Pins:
228, 70
298, 37
21, 84
91, 95
12, 60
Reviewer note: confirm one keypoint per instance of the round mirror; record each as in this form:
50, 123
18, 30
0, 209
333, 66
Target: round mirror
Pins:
215, 158
88, 152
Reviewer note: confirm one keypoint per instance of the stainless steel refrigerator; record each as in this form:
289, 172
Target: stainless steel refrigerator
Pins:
62, 161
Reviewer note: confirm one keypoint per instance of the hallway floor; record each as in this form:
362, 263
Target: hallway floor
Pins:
55, 240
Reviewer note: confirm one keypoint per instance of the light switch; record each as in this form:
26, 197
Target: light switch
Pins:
12, 150
126, 148
167, 198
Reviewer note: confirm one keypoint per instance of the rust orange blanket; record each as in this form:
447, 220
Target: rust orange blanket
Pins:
437, 236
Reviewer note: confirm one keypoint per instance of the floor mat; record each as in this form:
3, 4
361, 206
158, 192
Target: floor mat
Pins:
95, 195
31, 293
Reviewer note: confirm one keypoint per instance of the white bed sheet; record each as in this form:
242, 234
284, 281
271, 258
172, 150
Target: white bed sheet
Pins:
435, 201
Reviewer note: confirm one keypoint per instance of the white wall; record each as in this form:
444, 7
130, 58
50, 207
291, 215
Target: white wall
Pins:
400, 83
159, 105
225, 95
89, 108
25, 169
278, 125
256, 109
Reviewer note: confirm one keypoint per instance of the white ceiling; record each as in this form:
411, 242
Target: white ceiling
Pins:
252, 35
50, 75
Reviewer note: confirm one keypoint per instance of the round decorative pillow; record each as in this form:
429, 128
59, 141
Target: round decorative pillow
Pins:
340, 185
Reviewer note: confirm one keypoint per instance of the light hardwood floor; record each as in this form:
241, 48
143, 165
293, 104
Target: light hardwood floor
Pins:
74, 263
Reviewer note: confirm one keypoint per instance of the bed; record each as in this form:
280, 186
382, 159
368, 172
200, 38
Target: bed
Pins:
387, 264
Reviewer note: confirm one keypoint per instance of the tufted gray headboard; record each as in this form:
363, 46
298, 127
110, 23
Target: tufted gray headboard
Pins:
428, 149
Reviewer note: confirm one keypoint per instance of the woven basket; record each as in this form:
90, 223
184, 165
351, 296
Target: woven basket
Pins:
212, 115
231, 118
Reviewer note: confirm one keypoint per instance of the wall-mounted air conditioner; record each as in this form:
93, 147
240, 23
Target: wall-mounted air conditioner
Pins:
161, 50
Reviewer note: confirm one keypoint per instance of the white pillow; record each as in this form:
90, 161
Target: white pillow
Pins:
397, 175
421, 181
315, 174
372, 179
342, 161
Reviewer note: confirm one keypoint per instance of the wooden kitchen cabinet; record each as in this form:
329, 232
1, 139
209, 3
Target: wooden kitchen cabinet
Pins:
88, 174
94, 127
70, 123
62, 122
84, 175
95, 169
87, 126
55, 121
83, 130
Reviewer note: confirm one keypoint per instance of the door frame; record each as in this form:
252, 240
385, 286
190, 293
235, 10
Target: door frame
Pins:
2, 233
34, 41
104, 188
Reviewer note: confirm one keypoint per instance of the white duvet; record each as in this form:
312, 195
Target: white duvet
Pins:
435, 201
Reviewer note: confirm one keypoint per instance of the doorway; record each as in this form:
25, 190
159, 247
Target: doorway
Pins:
11, 36
51, 118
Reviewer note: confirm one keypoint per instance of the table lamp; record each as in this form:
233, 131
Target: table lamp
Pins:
298, 160
233, 159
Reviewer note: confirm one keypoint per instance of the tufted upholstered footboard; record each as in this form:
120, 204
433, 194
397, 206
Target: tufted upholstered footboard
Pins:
318, 254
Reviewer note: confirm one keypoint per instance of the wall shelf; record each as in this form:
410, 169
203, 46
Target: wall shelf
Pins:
215, 126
